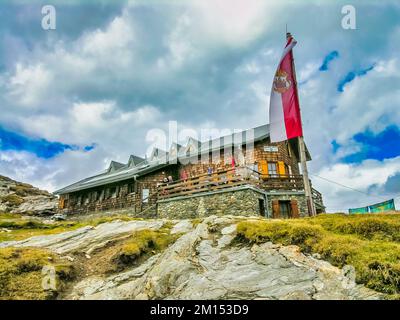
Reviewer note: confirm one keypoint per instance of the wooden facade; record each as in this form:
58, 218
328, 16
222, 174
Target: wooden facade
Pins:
274, 167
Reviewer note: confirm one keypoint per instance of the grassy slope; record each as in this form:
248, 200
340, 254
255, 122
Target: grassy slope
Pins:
21, 268
371, 243
21, 273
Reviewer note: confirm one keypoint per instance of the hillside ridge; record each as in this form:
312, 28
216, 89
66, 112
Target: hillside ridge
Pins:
23, 198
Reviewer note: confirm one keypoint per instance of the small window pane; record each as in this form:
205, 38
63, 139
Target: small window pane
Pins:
145, 195
272, 168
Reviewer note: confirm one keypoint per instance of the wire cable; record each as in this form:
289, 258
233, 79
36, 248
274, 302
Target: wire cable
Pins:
344, 186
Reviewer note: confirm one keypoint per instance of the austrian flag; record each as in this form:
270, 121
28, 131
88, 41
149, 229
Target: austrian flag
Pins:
284, 109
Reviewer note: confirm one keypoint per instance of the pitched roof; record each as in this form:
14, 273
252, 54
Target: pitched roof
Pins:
157, 153
114, 165
134, 160
159, 159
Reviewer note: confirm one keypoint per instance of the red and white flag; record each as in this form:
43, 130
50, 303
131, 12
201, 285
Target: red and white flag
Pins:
284, 109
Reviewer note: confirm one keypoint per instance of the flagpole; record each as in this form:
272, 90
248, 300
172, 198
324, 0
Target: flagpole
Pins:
302, 152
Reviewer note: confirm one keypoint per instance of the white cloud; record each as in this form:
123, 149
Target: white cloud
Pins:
29, 84
205, 64
55, 172
367, 99
234, 22
357, 176
112, 46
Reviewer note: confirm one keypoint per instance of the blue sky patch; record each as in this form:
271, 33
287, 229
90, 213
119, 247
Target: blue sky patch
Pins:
351, 76
40, 147
335, 146
382, 146
328, 58
89, 148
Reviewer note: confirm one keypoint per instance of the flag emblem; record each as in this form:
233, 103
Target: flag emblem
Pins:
281, 82
284, 109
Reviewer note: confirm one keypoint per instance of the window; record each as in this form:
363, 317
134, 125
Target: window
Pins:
272, 169
145, 195
190, 151
131, 188
253, 167
284, 209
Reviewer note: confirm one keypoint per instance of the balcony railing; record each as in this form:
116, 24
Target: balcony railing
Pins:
317, 196
227, 179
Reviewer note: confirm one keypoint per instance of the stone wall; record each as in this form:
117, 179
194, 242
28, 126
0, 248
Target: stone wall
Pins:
243, 201
298, 196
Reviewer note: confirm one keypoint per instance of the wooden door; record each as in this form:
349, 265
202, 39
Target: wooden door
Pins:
275, 209
295, 209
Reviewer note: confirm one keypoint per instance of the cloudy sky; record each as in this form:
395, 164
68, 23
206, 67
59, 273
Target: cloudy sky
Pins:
76, 97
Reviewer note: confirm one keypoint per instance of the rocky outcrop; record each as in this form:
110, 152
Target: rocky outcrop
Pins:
22, 198
85, 239
205, 262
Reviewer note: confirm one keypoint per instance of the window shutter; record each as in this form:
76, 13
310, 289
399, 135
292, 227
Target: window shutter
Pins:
281, 168
263, 167
275, 209
61, 203
295, 209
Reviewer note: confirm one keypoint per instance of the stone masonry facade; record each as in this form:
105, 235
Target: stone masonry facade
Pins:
241, 202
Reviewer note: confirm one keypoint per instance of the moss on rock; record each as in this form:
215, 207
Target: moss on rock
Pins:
142, 243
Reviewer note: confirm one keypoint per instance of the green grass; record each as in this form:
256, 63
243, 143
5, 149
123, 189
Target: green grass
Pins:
21, 268
370, 243
4, 215
21, 274
13, 227
141, 244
